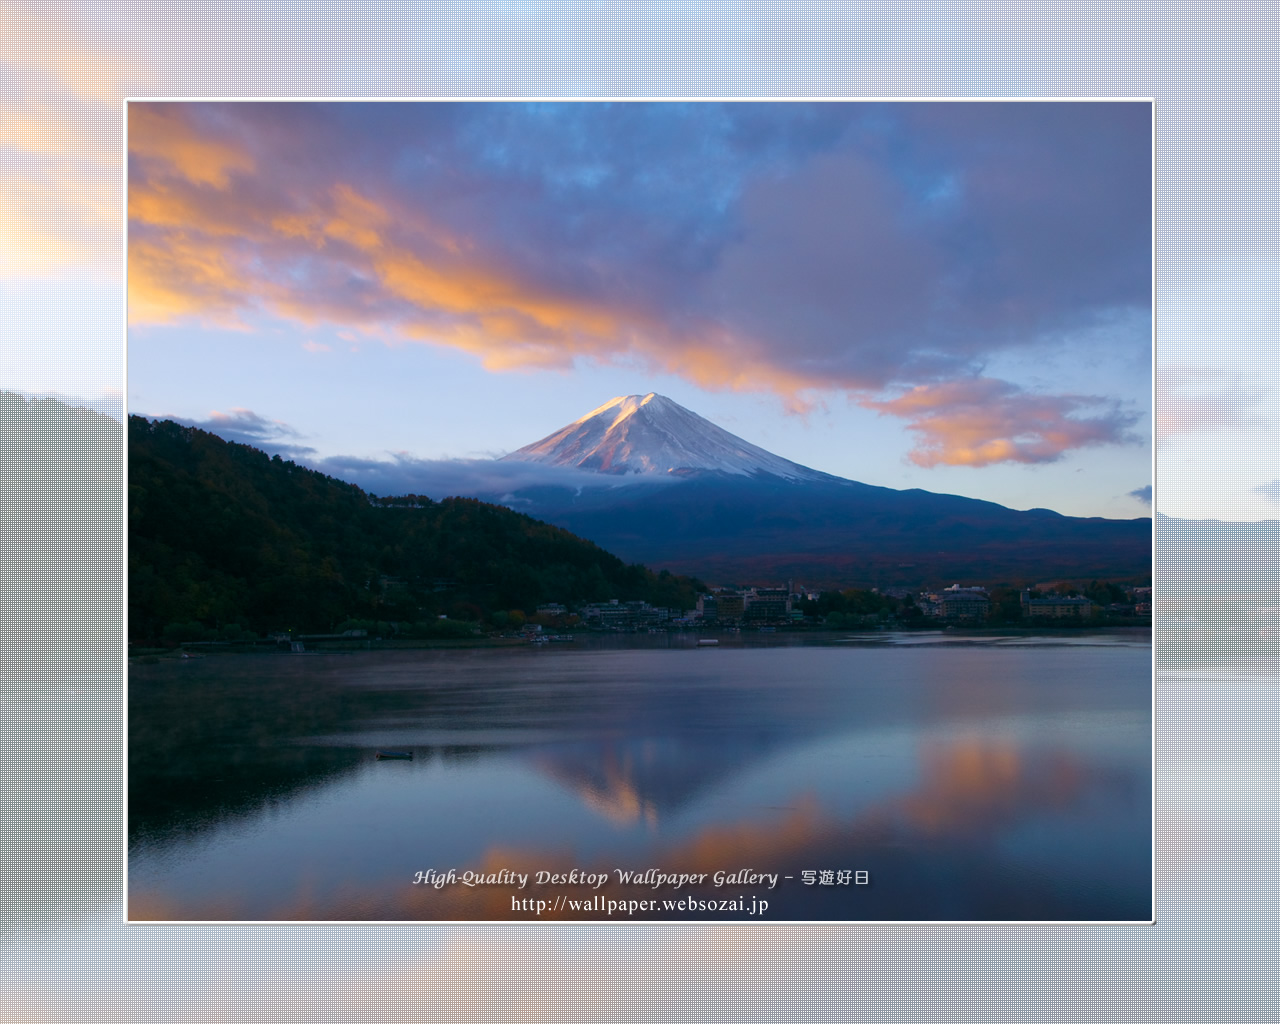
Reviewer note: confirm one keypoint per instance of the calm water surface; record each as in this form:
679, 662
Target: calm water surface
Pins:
991, 778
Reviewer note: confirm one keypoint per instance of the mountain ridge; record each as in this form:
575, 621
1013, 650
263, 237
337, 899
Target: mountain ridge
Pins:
735, 512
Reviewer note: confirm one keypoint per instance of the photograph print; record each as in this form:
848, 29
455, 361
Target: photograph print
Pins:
695, 513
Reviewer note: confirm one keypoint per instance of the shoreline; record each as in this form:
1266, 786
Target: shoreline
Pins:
202, 649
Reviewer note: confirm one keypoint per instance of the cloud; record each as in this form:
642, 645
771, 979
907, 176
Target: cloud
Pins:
442, 478
187, 147
1143, 494
402, 473
244, 426
799, 249
1269, 490
982, 421
61, 169
977, 422
1198, 399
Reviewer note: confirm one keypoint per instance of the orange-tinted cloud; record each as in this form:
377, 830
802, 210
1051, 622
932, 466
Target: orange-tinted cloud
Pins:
208, 256
60, 133
980, 421
183, 277
160, 133
59, 180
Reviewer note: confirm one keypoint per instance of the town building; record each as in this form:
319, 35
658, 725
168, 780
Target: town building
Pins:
730, 606
757, 605
957, 604
624, 614
1055, 606
767, 604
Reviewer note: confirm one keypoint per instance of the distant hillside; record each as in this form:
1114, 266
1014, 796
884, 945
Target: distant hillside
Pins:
840, 533
62, 545
225, 540
1218, 587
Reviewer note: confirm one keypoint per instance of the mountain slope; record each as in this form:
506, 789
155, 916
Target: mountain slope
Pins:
844, 534
733, 512
648, 434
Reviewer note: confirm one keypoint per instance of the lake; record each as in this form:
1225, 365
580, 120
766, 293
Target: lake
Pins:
883, 777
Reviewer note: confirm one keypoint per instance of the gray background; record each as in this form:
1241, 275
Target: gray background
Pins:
64, 955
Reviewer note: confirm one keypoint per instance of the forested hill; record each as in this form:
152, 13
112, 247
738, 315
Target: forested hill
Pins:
62, 546
225, 541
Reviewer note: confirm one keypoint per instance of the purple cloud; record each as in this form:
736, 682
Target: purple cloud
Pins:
244, 426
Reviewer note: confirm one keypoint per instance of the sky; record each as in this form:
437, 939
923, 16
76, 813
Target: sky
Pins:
954, 296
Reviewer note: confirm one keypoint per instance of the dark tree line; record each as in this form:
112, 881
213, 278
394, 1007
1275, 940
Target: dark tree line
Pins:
227, 541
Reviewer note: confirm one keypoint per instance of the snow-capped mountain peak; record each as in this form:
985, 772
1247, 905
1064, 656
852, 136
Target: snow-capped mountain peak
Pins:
650, 434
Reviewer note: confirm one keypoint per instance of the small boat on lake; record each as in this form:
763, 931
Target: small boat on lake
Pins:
393, 755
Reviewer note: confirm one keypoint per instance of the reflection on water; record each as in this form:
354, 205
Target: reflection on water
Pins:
972, 781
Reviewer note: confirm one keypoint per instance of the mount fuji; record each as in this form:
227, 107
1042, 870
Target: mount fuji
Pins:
731, 511
648, 434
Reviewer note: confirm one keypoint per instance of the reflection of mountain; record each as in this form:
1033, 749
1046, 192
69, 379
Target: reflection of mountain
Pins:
216, 792
935, 851
214, 740
629, 781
